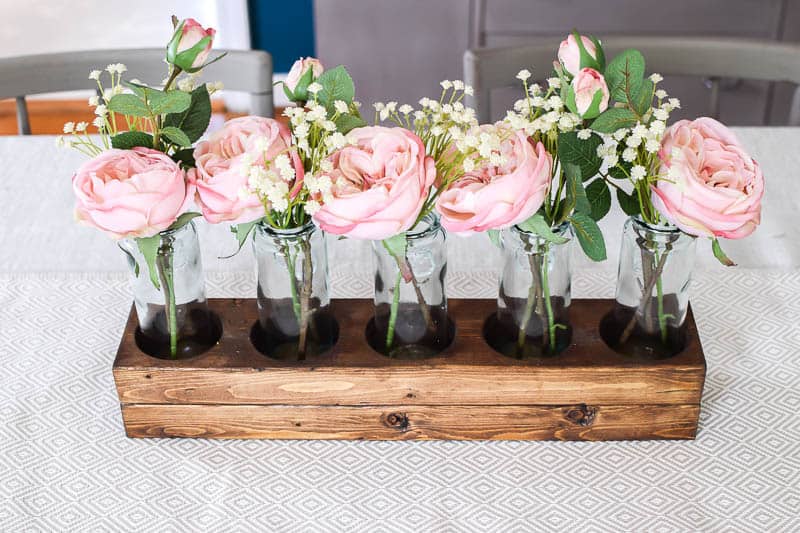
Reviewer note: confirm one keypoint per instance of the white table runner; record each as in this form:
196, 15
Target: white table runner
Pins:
65, 463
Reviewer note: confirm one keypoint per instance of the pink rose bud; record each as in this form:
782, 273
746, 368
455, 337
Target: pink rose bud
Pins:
492, 197
221, 177
131, 193
300, 68
190, 46
380, 183
586, 84
711, 187
569, 53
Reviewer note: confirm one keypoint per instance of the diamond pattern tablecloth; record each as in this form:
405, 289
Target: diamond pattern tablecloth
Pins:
66, 465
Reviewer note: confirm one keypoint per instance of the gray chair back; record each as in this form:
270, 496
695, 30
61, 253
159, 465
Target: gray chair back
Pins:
714, 58
248, 71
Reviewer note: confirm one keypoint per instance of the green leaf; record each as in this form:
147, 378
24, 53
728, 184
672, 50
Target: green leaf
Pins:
336, 85
242, 231
589, 236
184, 219
128, 104
719, 254
396, 245
539, 226
601, 55
621, 170
594, 108
624, 74
494, 236
176, 136
130, 139
161, 102
149, 248
613, 119
345, 123
629, 203
568, 97
582, 153
194, 121
575, 192
184, 157
599, 197
643, 98
289, 94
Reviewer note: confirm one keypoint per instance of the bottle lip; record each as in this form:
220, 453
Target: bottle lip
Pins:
433, 226
308, 227
667, 229
558, 230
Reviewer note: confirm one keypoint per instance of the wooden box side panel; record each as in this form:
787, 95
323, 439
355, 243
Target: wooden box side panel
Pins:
413, 422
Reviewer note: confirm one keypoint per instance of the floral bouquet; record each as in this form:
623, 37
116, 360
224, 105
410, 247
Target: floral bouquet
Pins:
135, 187
269, 179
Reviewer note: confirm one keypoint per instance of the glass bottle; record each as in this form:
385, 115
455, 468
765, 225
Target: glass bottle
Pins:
174, 319
293, 301
655, 268
410, 302
532, 318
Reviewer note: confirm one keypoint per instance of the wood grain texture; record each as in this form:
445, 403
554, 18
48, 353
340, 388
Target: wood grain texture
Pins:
413, 422
468, 373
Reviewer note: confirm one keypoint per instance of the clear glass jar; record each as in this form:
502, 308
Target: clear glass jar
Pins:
655, 268
174, 319
293, 301
532, 318
410, 302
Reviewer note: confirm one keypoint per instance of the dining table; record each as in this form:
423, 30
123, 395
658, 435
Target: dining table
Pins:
66, 462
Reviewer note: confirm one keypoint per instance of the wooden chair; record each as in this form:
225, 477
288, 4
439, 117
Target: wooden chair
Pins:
712, 58
248, 71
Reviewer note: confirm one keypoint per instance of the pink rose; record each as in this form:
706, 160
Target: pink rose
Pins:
131, 193
586, 84
190, 45
711, 187
300, 67
493, 197
220, 177
569, 53
379, 184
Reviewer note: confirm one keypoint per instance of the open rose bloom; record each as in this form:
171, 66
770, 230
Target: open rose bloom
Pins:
131, 193
380, 182
498, 196
221, 177
712, 187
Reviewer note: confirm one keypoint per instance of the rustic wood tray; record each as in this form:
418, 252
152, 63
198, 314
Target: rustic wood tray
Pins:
588, 392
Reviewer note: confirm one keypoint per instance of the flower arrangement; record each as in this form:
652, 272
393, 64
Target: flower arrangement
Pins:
538, 177
135, 186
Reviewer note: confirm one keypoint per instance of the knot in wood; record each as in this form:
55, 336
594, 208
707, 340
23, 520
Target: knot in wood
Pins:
582, 415
397, 420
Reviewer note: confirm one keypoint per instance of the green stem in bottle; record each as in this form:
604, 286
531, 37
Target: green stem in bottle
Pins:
551, 326
167, 278
662, 319
393, 311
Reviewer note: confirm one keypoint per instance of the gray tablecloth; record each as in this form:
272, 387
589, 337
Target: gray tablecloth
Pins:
65, 463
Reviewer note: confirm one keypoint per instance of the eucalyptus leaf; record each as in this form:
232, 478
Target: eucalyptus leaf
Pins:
149, 248
575, 189
719, 254
580, 152
589, 236
624, 75
130, 139
613, 119
599, 196
539, 226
